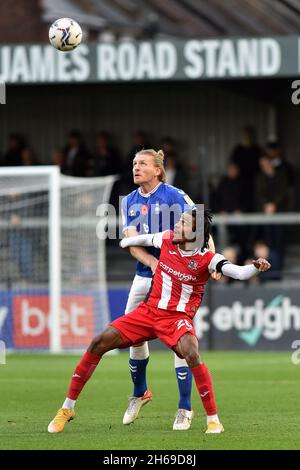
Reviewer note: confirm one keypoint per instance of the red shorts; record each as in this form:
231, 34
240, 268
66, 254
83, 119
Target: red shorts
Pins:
146, 323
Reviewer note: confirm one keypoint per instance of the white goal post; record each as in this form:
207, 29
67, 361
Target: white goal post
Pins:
53, 273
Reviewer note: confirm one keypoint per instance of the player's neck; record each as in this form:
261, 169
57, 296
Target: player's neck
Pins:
188, 246
146, 188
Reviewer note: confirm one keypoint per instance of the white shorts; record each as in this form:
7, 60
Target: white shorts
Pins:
138, 291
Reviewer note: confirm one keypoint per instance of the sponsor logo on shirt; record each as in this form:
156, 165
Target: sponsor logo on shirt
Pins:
181, 276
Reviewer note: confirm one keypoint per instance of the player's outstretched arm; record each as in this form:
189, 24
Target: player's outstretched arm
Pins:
220, 264
242, 273
142, 240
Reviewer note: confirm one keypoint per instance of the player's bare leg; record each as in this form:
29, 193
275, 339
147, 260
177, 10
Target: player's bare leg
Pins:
187, 347
106, 341
139, 357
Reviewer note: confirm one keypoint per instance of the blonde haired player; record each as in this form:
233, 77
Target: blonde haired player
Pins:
153, 207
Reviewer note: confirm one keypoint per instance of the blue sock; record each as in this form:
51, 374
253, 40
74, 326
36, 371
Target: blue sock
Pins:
138, 375
184, 379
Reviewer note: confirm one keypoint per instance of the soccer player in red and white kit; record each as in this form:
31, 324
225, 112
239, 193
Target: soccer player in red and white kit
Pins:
184, 266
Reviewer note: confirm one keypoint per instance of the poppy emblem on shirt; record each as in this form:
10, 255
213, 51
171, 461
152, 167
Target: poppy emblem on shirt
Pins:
144, 209
193, 265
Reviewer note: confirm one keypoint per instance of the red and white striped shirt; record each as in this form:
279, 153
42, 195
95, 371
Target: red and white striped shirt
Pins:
180, 277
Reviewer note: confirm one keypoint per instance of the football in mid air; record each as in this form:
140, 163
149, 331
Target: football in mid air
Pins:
65, 34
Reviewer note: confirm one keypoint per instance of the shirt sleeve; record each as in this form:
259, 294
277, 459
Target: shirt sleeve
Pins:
220, 264
127, 220
152, 239
143, 240
242, 273
216, 259
158, 239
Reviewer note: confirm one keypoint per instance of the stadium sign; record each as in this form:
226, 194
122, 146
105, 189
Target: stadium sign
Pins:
253, 318
195, 59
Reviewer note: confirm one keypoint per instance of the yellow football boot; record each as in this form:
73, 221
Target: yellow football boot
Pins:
213, 427
62, 417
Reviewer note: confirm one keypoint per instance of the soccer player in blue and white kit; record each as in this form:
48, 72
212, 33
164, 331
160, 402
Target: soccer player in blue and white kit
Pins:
147, 210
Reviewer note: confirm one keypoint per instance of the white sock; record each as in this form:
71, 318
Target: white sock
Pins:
139, 352
178, 362
69, 404
213, 418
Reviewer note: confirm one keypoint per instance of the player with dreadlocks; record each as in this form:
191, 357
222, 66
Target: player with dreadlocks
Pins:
184, 266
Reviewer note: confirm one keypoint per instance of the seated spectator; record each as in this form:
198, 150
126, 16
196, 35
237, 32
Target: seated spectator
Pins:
274, 153
12, 156
106, 159
262, 250
140, 142
169, 147
246, 156
271, 196
58, 157
76, 155
28, 156
229, 195
175, 173
231, 254
271, 188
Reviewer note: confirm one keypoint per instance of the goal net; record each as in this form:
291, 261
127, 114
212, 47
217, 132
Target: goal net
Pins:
53, 293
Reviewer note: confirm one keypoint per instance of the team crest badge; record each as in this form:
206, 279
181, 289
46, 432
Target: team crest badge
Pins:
193, 265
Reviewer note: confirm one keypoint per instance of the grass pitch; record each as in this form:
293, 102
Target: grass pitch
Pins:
257, 397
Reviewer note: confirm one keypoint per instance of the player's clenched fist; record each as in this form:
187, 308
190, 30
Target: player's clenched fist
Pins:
261, 264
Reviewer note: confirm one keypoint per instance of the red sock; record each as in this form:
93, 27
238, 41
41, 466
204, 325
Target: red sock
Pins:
82, 373
203, 383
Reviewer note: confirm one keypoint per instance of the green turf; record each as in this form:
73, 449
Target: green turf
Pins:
257, 396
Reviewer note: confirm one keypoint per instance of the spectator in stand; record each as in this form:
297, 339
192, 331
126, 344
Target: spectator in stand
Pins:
231, 254
271, 197
274, 153
76, 155
58, 157
261, 248
106, 159
229, 196
246, 156
12, 156
140, 142
169, 147
28, 156
176, 174
271, 188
